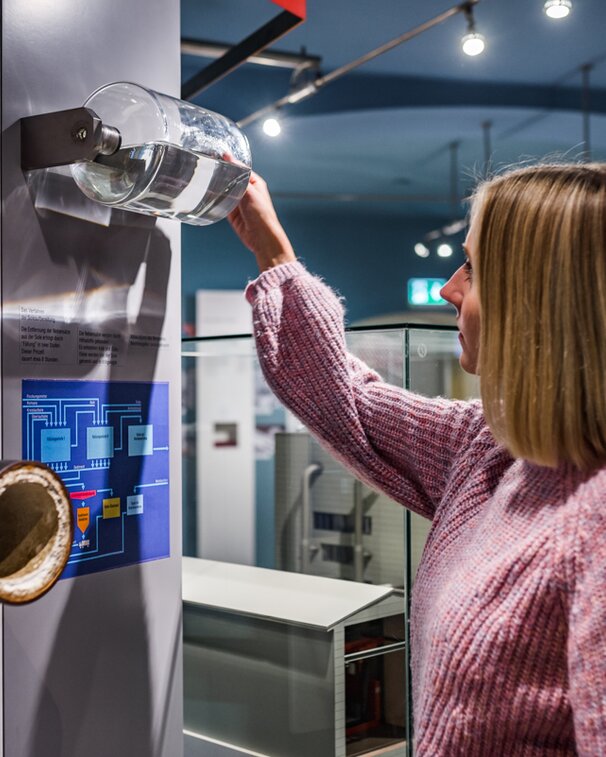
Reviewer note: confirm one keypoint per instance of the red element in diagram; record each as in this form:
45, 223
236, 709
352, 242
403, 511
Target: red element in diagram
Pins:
83, 495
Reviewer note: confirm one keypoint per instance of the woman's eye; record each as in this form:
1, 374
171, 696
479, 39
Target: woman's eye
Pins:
468, 271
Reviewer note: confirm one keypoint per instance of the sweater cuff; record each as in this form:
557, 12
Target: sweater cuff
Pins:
273, 278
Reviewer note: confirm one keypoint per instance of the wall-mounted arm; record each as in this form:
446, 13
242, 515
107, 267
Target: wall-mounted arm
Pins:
65, 136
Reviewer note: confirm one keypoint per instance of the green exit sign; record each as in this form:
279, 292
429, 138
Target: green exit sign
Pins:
425, 292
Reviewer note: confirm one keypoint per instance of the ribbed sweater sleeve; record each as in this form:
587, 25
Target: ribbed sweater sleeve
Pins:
403, 444
585, 550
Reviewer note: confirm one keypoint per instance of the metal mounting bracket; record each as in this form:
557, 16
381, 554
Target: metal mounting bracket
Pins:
65, 136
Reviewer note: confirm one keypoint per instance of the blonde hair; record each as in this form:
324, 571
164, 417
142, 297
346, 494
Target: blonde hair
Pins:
542, 285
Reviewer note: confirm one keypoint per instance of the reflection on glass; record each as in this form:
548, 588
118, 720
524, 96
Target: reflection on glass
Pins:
259, 491
327, 523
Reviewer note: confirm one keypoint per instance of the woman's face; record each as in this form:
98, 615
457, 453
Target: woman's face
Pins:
461, 290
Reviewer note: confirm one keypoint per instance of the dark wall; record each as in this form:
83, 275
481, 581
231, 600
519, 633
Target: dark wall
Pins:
364, 252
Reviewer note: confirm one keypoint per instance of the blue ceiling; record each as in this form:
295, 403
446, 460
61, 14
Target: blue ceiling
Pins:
381, 134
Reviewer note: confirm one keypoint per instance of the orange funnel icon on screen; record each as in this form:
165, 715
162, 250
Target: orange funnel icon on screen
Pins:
83, 518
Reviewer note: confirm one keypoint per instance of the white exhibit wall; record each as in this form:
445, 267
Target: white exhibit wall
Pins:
225, 414
93, 667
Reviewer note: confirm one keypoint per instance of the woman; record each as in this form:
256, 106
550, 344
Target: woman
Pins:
508, 618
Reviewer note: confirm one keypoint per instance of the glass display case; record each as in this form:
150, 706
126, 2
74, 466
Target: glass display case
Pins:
271, 519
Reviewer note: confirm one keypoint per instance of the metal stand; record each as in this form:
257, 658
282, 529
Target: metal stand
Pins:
65, 136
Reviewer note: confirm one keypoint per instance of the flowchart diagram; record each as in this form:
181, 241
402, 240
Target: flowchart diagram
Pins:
109, 442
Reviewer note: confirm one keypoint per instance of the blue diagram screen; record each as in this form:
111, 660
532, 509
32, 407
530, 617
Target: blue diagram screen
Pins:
108, 441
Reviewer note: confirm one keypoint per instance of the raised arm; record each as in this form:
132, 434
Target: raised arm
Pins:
255, 221
405, 445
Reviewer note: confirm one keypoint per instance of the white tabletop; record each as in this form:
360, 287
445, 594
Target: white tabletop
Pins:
276, 595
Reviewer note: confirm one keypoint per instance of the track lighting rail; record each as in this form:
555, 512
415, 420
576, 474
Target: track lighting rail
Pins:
322, 81
275, 58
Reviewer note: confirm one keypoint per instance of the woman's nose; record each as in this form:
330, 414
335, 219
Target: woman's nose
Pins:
451, 291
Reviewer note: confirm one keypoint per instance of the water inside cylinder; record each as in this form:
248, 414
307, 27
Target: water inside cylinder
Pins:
164, 180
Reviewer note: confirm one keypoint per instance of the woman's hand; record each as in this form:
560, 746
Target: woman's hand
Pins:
256, 223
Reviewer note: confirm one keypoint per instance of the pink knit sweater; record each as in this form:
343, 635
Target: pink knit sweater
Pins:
508, 619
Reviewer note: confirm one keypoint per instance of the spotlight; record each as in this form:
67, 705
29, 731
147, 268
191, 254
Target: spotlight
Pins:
271, 126
444, 250
472, 42
557, 8
421, 250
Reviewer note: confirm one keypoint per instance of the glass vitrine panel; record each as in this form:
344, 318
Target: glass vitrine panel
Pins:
260, 492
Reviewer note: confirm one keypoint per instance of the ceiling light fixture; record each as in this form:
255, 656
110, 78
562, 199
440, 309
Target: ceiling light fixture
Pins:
421, 250
472, 43
557, 8
444, 250
271, 127
301, 94
321, 81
